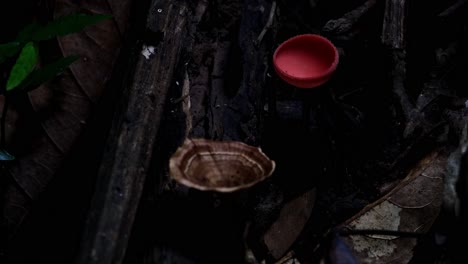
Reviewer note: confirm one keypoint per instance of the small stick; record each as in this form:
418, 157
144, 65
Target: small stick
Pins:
287, 258
180, 99
267, 25
453, 9
348, 20
352, 232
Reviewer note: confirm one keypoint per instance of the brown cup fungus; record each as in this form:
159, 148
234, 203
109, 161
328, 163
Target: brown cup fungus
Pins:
222, 166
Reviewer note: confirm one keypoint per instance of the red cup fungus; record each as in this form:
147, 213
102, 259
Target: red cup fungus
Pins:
306, 61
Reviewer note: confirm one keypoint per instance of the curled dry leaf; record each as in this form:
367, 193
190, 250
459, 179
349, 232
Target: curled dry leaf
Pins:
64, 105
412, 206
290, 223
219, 165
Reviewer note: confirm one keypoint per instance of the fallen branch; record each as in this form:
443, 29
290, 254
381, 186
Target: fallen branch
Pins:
127, 158
393, 36
394, 24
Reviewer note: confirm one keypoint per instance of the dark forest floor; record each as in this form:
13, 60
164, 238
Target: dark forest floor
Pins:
352, 151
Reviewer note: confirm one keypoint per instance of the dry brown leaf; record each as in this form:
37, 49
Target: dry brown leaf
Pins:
292, 219
412, 206
64, 105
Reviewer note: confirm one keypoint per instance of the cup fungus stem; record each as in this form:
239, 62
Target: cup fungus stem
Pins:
311, 101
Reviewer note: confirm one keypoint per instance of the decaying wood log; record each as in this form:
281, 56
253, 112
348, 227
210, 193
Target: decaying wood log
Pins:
127, 158
217, 94
228, 84
221, 88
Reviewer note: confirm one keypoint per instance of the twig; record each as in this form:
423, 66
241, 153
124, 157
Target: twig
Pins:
287, 258
180, 99
348, 20
352, 232
453, 9
267, 25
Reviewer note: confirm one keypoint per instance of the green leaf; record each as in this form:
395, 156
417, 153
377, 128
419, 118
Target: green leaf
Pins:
46, 73
24, 65
62, 26
28, 32
8, 50
5, 156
